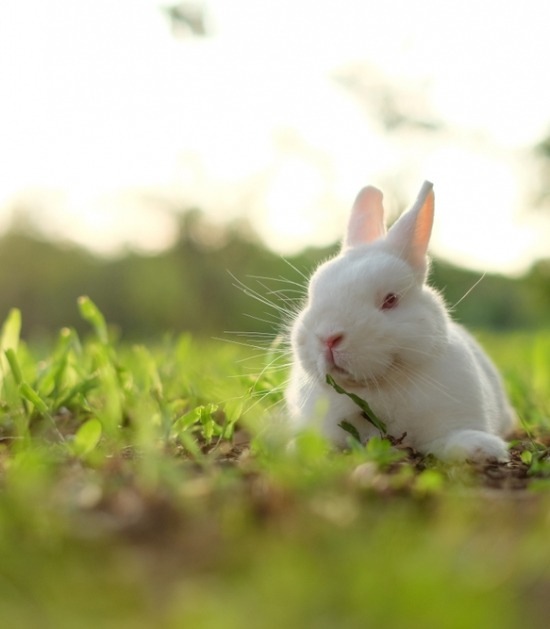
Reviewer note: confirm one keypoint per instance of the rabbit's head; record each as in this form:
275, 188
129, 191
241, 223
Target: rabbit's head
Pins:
369, 313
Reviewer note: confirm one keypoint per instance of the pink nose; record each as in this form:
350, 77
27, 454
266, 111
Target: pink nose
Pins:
333, 341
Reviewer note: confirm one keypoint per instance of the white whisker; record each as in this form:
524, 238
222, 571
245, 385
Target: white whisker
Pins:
473, 287
295, 268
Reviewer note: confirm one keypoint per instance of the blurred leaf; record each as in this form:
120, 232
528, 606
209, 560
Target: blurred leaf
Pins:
429, 481
28, 393
187, 18
91, 313
9, 337
382, 452
205, 415
11, 330
526, 457
14, 366
87, 437
233, 410
310, 447
79, 391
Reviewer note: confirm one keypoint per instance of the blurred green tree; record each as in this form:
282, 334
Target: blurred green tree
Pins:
204, 284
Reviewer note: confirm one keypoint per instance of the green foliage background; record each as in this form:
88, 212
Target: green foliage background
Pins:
190, 286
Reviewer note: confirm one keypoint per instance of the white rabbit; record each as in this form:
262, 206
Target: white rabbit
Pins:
375, 326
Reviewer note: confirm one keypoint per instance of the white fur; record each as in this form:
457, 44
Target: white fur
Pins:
420, 372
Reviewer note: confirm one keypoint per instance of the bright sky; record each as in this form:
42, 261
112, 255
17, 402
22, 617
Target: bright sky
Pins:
107, 120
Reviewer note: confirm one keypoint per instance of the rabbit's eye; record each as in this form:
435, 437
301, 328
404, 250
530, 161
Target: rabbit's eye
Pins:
390, 301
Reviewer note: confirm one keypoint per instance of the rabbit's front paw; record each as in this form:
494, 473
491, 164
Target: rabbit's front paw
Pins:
470, 445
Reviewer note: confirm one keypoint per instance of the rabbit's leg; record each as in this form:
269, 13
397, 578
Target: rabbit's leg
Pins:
470, 445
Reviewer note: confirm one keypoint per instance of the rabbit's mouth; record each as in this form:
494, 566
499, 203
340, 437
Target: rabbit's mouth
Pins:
333, 365
344, 378
377, 379
341, 374
341, 371
336, 364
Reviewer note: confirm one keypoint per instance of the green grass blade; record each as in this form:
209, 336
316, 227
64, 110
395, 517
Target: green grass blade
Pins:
11, 358
350, 429
78, 392
9, 337
368, 413
14, 366
53, 380
91, 313
29, 394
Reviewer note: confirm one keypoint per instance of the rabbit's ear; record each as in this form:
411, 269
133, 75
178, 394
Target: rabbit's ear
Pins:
410, 235
366, 222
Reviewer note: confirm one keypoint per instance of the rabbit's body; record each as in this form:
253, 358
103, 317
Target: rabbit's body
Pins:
373, 324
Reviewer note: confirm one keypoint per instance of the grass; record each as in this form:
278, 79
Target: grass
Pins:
144, 487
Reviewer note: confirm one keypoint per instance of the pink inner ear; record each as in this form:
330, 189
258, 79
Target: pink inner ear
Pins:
410, 236
424, 224
366, 222
423, 228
